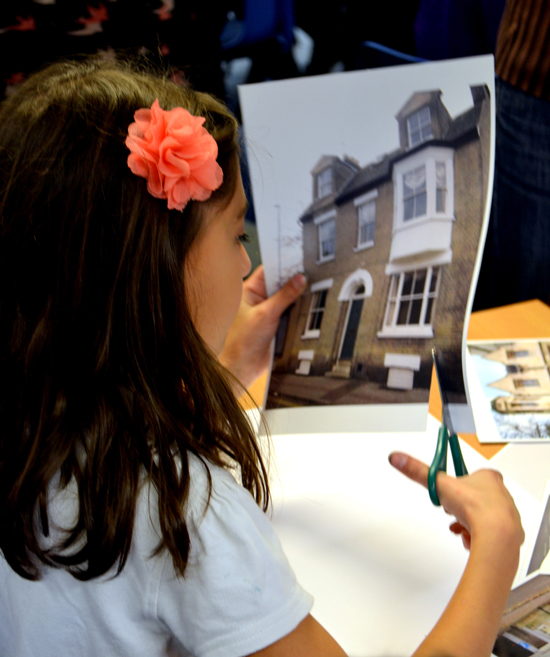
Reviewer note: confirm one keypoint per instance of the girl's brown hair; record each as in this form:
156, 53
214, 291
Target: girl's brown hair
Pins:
103, 376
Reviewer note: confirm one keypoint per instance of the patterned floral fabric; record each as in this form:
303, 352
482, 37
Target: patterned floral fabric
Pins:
183, 34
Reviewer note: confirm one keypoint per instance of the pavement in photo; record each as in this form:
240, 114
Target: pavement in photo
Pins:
287, 390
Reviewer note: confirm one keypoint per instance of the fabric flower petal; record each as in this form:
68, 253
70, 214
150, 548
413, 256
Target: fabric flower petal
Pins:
138, 165
179, 195
175, 154
173, 151
208, 172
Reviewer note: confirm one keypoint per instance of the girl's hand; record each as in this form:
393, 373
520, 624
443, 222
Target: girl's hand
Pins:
469, 624
247, 350
481, 504
490, 525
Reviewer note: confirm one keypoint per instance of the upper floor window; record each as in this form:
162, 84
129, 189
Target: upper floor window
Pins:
517, 353
414, 193
366, 215
424, 186
440, 186
526, 383
327, 239
420, 126
324, 183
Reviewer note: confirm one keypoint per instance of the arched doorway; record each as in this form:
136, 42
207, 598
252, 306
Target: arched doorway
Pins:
356, 288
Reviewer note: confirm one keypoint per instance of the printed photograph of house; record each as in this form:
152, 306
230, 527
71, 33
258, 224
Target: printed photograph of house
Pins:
388, 250
374, 184
515, 378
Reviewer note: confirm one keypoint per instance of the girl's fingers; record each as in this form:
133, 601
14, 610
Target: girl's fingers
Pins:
410, 467
480, 502
461, 531
288, 293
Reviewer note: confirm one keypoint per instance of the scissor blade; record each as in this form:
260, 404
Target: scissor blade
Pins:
442, 393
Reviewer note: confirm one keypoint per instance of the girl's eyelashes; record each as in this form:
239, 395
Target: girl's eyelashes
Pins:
243, 238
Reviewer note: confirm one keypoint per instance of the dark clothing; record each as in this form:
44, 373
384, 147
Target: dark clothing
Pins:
522, 56
182, 35
516, 259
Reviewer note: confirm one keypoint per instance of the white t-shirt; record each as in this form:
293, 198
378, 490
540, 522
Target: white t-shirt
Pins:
239, 593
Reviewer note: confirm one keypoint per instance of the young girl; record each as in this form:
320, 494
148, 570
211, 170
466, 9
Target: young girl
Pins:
131, 484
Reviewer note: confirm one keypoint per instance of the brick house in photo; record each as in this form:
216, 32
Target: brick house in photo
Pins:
527, 379
389, 250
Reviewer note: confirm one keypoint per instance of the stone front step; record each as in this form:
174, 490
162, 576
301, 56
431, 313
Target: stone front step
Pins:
341, 370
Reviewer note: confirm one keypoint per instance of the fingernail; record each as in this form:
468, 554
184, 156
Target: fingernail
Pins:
398, 460
299, 281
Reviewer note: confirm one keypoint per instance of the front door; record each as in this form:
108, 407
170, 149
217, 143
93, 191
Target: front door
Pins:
348, 343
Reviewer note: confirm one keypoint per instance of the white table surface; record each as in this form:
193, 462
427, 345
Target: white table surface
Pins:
367, 543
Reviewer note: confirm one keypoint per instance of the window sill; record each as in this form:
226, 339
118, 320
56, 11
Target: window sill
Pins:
406, 332
323, 260
403, 223
362, 247
308, 335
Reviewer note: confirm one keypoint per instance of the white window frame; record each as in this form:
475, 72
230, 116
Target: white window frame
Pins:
365, 201
320, 221
440, 186
512, 354
423, 131
526, 383
397, 299
432, 158
415, 192
323, 183
316, 289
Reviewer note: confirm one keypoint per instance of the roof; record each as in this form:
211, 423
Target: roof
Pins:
369, 176
463, 124
461, 129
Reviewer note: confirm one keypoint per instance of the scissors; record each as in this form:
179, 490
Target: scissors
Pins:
445, 437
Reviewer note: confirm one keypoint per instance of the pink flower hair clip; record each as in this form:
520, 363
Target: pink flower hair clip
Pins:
175, 154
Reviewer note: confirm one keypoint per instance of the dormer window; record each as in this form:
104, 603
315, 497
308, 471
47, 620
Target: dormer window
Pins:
420, 126
324, 183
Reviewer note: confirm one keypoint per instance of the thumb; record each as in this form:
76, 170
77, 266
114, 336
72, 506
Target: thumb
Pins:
288, 293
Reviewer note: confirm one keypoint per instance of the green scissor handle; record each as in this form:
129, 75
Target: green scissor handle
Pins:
439, 463
445, 438
458, 460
